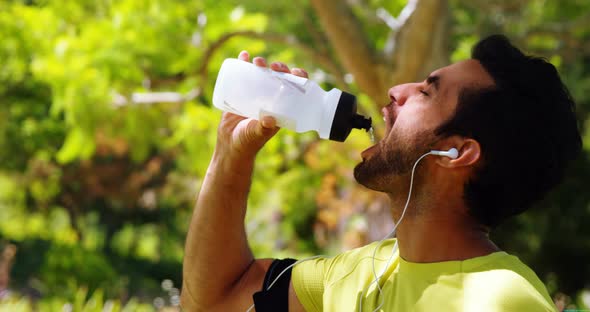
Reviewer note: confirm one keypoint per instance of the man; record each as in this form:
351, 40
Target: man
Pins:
513, 123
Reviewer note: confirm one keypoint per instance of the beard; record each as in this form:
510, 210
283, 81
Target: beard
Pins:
393, 157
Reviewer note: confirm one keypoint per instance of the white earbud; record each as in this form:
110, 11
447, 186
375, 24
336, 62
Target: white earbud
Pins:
453, 153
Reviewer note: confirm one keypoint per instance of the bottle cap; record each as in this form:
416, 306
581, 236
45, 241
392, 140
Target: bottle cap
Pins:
346, 118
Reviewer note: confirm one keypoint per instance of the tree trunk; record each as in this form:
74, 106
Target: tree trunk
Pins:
420, 45
350, 44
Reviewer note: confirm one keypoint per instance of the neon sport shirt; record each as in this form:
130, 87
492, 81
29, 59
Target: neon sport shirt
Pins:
493, 283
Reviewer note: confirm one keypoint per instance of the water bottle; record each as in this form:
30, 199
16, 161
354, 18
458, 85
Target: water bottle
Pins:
295, 102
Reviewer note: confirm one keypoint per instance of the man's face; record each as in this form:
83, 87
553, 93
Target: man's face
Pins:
415, 111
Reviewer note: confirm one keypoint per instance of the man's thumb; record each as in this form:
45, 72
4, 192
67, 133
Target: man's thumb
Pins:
266, 128
258, 132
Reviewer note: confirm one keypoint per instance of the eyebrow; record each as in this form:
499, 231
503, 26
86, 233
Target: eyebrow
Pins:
433, 80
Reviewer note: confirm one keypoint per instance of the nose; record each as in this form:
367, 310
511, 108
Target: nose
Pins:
400, 93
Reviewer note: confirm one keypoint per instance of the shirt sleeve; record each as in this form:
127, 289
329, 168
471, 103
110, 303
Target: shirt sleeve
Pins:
522, 296
308, 280
312, 278
504, 290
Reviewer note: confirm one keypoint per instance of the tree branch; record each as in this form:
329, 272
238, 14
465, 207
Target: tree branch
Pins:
350, 45
318, 57
319, 39
395, 24
421, 42
563, 30
148, 98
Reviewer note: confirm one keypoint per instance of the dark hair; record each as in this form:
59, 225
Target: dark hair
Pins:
526, 127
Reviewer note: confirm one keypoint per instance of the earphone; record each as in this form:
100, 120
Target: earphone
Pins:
452, 153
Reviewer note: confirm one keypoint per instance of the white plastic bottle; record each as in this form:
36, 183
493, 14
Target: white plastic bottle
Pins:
296, 103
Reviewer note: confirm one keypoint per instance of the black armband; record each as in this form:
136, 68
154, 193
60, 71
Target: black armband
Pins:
277, 297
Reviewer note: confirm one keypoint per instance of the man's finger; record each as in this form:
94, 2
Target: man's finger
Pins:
257, 134
266, 128
244, 56
280, 67
299, 72
268, 122
259, 61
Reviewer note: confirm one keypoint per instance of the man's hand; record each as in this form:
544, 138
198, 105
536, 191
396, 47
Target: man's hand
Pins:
239, 137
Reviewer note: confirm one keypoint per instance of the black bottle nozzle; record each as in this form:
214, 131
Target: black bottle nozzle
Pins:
346, 118
361, 122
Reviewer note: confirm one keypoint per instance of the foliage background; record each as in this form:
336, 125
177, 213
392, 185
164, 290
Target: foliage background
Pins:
99, 170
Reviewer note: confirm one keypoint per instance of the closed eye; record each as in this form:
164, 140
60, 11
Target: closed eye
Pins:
424, 92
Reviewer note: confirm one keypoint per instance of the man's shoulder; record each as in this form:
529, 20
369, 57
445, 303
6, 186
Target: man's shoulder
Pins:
507, 283
501, 267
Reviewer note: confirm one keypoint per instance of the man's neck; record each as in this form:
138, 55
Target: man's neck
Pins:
444, 232
437, 225
431, 240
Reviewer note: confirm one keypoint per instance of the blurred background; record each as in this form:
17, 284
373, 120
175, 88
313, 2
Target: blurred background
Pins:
106, 130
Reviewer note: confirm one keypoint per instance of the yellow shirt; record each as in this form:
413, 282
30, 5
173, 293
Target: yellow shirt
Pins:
496, 282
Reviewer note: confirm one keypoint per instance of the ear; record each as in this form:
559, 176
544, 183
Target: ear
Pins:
469, 152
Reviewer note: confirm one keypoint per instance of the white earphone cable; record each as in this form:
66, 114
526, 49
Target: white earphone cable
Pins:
395, 246
394, 249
